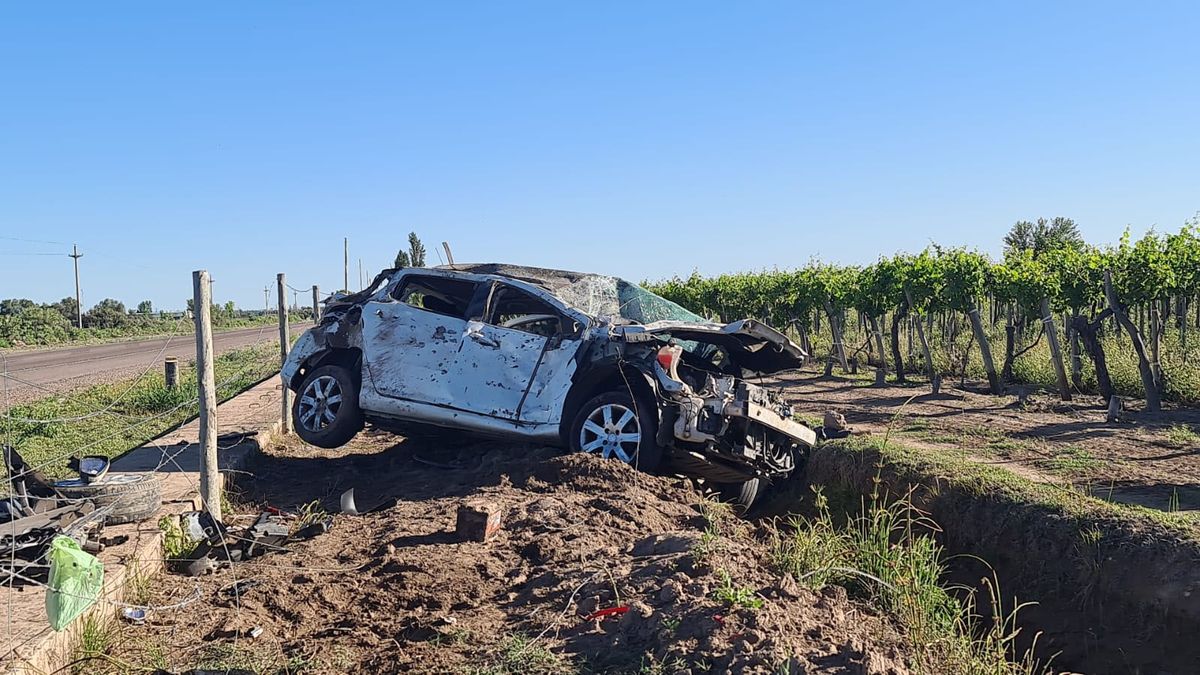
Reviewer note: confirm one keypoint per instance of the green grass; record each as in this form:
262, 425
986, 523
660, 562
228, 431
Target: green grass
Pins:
94, 642
135, 410
176, 543
1182, 436
1070, 460
886, 554
520, 655
736, 596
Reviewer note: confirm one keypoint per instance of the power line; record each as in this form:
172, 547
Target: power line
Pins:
34, 241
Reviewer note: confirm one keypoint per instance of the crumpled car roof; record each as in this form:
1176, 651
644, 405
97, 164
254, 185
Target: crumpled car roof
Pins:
549, 279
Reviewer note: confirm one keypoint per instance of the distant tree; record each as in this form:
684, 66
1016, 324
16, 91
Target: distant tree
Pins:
230, 310
191, 304
1044, 235
107, 313
13, 306
416, 250
145, 307
67, 307
402, 260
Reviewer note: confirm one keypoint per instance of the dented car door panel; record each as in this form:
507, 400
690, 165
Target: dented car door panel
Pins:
550, 384
409, 352
494, 367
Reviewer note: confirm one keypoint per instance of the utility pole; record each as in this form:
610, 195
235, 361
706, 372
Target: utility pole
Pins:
266, 298
361, 282
346, 264
78, 298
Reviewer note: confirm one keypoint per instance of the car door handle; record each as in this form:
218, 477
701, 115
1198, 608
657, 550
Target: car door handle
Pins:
483, 339
379, 313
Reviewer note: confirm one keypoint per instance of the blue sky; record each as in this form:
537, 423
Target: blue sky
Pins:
638, 139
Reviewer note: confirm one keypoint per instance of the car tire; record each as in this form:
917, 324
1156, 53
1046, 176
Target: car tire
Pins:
321, 422
133, 497
742, 494
589, 433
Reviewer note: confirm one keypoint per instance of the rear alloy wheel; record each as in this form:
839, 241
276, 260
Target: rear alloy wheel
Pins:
326, 411
615, 426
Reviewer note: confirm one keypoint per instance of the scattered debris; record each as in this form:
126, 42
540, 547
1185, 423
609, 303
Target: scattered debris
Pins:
221, 544
834, 421
348, 506
478, 520
134, 615
607, 611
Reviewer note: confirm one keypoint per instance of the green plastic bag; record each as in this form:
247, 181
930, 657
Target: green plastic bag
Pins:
76, 579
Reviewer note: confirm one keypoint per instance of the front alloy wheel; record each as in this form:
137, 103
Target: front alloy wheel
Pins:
326, 412
320, 402
611, 430
617, 425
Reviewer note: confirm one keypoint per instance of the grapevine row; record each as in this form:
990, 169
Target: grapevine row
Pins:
1136, 286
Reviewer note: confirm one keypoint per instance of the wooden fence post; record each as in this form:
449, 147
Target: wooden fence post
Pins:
171, 372
316, 304
285, 342
210, 476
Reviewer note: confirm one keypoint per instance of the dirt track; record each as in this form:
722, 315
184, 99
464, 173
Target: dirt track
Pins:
32, 374
1133, 461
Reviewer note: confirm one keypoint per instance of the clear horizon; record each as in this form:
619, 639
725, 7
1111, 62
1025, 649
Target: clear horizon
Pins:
638, 141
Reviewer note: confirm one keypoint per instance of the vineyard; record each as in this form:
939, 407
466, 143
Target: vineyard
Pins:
1112, 320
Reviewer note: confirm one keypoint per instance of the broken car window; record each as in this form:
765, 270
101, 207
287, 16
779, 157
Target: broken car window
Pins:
449, 297
518, 310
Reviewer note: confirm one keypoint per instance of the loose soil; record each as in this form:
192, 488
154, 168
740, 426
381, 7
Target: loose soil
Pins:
397, 591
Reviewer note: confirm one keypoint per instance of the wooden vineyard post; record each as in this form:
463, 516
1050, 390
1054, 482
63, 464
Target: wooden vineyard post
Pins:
1060, 372
874, 323
924, 342
316, 304
210, 477
836, 330
1149, 383
985, 350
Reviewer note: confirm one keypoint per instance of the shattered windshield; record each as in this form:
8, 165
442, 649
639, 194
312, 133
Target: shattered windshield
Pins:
601, 296
642, 306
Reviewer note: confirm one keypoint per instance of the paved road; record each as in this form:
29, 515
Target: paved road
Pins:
37, 373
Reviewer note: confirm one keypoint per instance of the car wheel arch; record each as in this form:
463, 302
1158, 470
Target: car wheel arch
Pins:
613, 377
350, 359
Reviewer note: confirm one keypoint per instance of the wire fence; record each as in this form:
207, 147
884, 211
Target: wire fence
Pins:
167, 460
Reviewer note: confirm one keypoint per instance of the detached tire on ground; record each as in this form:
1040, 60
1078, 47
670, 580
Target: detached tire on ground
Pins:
134, 496
325, 412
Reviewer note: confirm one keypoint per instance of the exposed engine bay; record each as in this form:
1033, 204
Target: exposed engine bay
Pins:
720, 425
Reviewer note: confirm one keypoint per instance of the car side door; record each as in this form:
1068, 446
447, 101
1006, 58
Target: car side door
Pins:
411, 338
515, 351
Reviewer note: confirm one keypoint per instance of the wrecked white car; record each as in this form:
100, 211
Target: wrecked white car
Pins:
589, 362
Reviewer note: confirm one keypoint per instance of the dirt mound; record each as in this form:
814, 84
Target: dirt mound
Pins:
597, 568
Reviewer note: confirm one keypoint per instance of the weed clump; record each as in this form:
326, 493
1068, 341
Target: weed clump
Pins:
887, 555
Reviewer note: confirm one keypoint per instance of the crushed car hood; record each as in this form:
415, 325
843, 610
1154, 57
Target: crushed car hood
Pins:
751, 344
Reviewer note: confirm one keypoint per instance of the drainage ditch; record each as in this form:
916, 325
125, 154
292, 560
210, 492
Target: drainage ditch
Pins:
1116, 590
